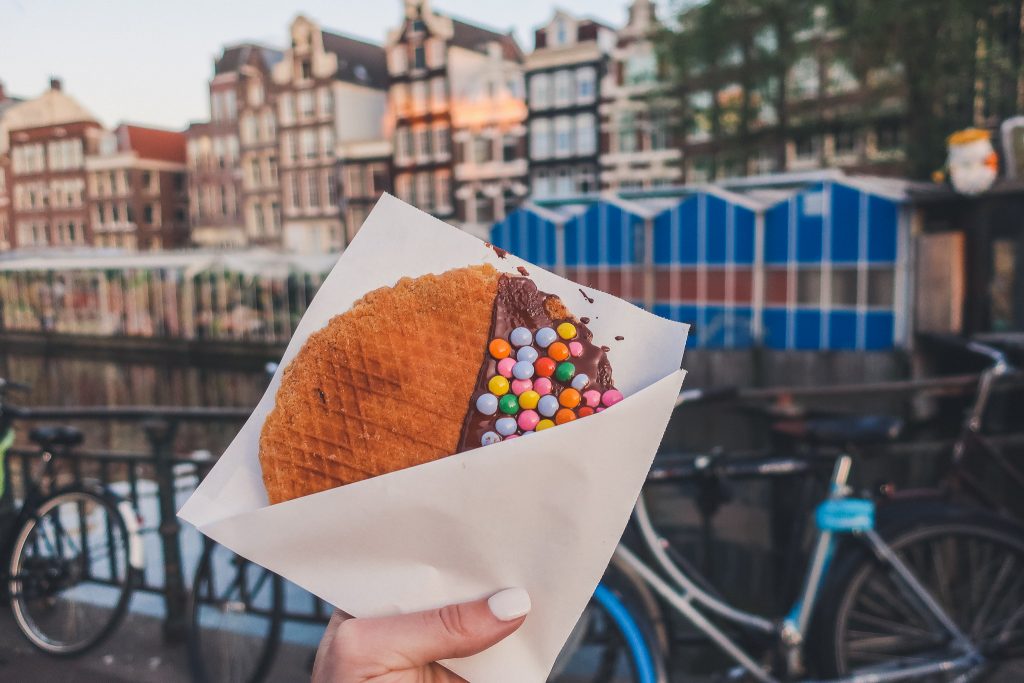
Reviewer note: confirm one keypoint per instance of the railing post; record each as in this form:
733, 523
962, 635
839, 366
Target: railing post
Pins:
161, 435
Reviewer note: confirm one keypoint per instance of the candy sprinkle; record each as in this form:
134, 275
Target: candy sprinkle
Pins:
545, 336
575, 349
566, 331
528, 400
505, 366
545, 367
558, 351
520, 337
522, 370
564, 415
565, 371
509, 404
580, 382
542, 385
544, 424
527, 353
499, 348
506, 426
489, 438
487, 404
569, 398
498, 385
547, 405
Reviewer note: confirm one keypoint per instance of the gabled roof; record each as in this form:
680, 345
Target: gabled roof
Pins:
235, 56
475, 37
153, 143
359, 61
53, 108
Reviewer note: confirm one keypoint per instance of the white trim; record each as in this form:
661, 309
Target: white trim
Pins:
757, 305
791, 279
862, 271
674, 274
702, 266
729, 338
824, 336
902, 304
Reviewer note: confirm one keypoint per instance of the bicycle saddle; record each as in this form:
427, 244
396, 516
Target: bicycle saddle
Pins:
842, 431
55, 435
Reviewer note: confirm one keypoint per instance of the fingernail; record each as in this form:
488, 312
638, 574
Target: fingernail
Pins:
509, 604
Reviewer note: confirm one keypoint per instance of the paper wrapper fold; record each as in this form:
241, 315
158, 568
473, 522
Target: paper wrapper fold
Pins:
542, 512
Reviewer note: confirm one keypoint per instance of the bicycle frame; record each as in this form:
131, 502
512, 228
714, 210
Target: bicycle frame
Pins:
838, 514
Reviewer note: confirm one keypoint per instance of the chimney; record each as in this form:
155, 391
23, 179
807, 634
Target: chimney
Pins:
55, 83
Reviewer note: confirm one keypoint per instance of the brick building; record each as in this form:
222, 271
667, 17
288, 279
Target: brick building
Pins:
364, 173
6, 102
440, 68
638, 116
331, 89
564, 74
49, 138
218, 195
136, 189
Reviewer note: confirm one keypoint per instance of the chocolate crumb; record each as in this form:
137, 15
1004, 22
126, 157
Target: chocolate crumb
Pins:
323, 397
502, 253
589, 300
522, 271
606, 349
584, 320
619, 338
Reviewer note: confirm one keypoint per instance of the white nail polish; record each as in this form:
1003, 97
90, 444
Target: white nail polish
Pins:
509, 604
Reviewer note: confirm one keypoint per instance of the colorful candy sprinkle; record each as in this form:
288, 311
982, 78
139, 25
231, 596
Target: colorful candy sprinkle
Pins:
545, 367
511, 436
544, 424
542, 385
506, 426
505, 366
489, 438
528, 400
528, 419
585, 411
565, 371
580, 382
611, 397
487, 404
545, 336
522, 370
527, 353
575, 349
564, 415
569, 398
521, 385
498, 385
499, 348
509, 404
558, 351
566, 331
592, 397
547, 405
520, 337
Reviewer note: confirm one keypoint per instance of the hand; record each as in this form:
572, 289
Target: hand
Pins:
405, 648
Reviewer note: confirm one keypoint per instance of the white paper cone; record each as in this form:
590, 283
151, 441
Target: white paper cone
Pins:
543, 512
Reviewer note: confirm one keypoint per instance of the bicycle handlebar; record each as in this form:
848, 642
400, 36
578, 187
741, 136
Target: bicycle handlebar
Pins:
6, 385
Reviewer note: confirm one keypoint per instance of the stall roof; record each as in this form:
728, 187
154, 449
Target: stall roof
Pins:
246, 261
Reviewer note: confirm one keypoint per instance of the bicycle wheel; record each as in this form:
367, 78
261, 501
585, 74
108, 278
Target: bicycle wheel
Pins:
69, 573
609, 644
970, 561
235, 610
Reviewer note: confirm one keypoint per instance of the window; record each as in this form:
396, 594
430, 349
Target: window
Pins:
804, 79
561, 33
295, 191
306, 69
845, 141
326, 102
379, 178
482, 146
627, 132
257, 218
312, 189
659, 127
889, 136
423, 143
147, 214
563, 183
255, 93
442, 147
404, 145
563, 87
286, 105
254, 172
308, 144
844, 287
444, 190
307, 102
147, 181
425, 191
881, 287
586, 134
808, 146
332, 188
808, 286
275, 216
327, 142
585, 89
509, 147
540, 91
291, 149
269, 125
484, 208
540, 138
419, 57
585, 182
641, 68
563, 136
403, 188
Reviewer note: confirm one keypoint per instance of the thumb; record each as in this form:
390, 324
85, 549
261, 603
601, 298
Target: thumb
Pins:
451, 632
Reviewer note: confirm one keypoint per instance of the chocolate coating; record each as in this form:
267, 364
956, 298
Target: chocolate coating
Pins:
520, 304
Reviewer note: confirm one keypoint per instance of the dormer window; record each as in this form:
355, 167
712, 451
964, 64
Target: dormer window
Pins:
420, 58
561, 33
418, 26
307, 69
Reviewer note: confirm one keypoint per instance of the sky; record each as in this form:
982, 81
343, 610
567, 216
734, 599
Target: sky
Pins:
148, 61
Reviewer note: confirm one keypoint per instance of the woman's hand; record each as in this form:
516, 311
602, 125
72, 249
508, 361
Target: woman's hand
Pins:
404, 648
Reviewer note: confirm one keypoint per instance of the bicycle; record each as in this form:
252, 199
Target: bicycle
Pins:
71, 553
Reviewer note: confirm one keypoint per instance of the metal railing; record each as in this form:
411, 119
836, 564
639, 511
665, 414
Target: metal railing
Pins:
175, 475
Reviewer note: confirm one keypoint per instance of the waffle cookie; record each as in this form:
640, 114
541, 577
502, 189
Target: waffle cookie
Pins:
422, 370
